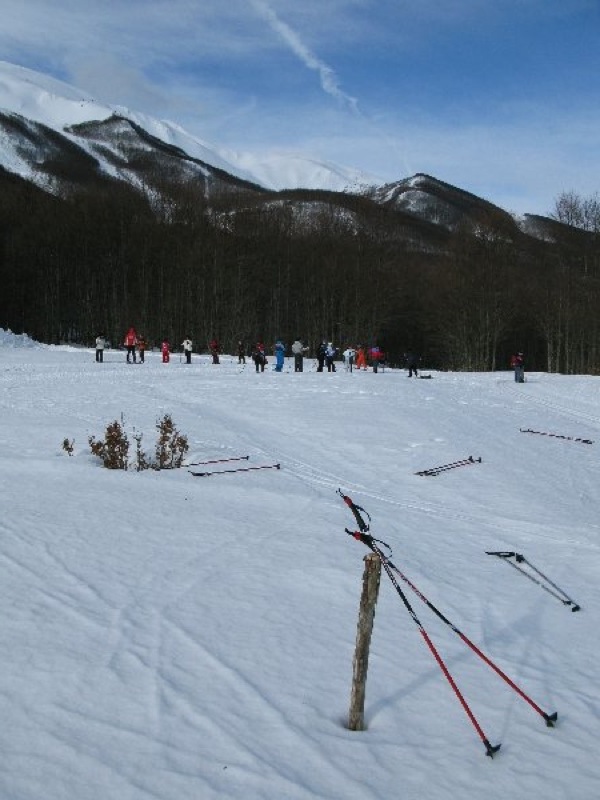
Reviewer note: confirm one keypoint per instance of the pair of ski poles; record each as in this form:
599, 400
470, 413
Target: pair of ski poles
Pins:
559, 594
373, 544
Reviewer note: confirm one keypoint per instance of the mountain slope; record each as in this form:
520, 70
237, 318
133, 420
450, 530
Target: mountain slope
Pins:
102, 129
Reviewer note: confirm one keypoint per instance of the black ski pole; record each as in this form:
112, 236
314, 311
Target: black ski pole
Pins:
558, 436
520, 559
240, 469
445, 467
216, 461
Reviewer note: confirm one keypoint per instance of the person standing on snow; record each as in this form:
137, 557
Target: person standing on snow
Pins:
166, 351
376, 357
321, 353
361, 358
100, 345
241, 351
349, 355
330, 352
279, 355
215, 349
298, 351
517, 362
130, 343
187, 349
142, 347
412, 362
259, 357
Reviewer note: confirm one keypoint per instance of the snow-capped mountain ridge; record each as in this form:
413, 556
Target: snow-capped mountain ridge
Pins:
62, 108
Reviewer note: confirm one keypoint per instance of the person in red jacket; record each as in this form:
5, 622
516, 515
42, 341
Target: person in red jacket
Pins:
130, 343
215, 349
166, 351
517, 362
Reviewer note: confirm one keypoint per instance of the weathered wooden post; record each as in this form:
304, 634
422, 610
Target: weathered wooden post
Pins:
366, 615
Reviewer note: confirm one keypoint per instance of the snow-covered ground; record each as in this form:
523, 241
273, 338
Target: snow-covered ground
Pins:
165, 636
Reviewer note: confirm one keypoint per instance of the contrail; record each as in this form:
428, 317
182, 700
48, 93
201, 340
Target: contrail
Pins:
328, 78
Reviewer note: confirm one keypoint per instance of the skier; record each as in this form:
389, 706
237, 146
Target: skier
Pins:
361, 359
100, 345
259, 357
187, 349
330, 352
215, 349
130, 343
298, 351
166, 351
412, 362
142, 347
279, 355
349, 355
241, 351
517, 362
321, 353
376, 357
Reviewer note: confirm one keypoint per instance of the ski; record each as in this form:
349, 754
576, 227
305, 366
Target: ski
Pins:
559, 594
238, 469
216, 461
558, 436
463, 462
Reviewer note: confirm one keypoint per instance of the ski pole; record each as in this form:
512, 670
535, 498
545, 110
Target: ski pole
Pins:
216, 461
444, 466
506, 556
558, 436
550, 719
453, 465
240, 469
490, 749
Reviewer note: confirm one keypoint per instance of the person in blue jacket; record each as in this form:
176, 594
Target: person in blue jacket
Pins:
279, 355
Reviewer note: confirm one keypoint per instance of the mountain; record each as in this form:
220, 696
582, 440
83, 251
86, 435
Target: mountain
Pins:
59, 137
50, 129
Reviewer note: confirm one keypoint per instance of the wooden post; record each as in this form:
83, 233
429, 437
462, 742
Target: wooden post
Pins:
366, 615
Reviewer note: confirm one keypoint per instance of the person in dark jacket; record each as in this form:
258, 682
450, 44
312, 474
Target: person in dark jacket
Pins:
259, 357
321, 354
215, 349
412, 362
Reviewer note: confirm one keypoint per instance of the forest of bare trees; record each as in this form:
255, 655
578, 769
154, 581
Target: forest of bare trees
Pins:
300, 264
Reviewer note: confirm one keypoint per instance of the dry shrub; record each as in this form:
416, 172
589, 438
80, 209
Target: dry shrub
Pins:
114, 450
171, 445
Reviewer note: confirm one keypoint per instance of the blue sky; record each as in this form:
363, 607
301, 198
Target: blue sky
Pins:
499, 97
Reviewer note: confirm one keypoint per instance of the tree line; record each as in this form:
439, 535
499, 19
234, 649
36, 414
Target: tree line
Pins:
246, 265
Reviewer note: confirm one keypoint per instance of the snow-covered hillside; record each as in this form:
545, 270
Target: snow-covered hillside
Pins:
59, 106
165, 636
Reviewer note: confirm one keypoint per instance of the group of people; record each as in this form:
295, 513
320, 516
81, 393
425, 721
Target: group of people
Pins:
358, 357
136, 346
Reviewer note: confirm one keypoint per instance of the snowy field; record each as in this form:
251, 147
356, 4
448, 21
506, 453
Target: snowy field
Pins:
178, 638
